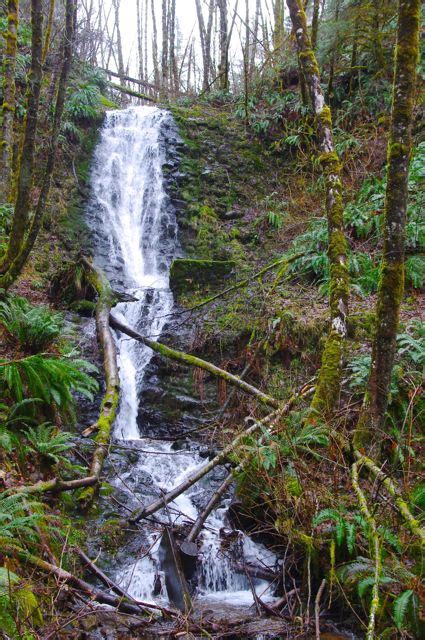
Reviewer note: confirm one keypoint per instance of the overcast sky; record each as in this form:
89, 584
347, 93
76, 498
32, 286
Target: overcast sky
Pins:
187, 23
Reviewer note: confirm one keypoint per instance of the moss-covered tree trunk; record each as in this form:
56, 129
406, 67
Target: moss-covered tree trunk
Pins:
15, 267
315, 23
8, 106
48, 35
26, 168
328, 384
391, 283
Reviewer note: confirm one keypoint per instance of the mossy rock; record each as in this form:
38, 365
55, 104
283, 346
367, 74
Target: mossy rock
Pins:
188, 274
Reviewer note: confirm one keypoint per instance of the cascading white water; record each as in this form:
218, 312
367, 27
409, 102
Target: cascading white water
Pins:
136, 237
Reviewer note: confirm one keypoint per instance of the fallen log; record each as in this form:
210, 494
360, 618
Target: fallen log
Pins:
194, 361
94, 569
202, 471
142, 83
212, 503
256, 572
130, 92
109, 404
273, 417
55, 484
120, 603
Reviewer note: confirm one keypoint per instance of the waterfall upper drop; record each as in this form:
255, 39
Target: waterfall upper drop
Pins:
136, 236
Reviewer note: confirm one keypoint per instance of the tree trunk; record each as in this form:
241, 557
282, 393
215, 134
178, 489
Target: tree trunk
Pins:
8, 106
391, 282
155, 48
223, 67
279, 28
26, 169
315, 23
328, 384
139, 38
121, 69
333, 55
164, 69
173, 56
16, 266
253, 52
48, 30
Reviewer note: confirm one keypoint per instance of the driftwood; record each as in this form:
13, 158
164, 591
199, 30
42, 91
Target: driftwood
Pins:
194, 361
55, 484
175, 579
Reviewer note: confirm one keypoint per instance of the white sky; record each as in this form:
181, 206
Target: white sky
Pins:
187, 20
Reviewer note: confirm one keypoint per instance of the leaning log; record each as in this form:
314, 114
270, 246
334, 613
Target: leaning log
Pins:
165, 499
194, 361
118, 602
212, 503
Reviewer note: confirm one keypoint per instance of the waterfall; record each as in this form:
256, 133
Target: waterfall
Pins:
135, 237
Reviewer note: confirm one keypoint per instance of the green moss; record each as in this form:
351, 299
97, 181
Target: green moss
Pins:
84, 307
329, 376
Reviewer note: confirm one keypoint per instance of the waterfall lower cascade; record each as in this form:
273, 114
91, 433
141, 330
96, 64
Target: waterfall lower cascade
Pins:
135, 236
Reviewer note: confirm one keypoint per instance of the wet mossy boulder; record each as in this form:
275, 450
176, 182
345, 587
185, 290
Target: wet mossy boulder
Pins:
188, 274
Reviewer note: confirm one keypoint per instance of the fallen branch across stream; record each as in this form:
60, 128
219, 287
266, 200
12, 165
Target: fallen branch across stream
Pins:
269, 420
121, 604
194, 361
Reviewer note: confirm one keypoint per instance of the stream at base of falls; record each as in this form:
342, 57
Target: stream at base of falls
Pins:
135, 238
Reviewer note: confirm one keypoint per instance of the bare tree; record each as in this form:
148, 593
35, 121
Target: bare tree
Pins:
164, 57
155, 47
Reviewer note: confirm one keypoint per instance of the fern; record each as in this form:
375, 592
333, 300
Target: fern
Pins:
400, 607
52, 379
33, 327
366, 583
19, 519
48, 445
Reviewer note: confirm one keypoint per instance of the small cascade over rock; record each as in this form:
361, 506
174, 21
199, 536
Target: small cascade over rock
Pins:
135, 236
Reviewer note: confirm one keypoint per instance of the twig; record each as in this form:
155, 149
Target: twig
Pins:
317, 607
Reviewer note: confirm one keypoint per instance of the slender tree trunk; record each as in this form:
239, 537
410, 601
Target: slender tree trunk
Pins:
335, 48
208, 35
48, 29
155, 47
315, 23
26, 169
27, 244
328, 384
8, 106
378, 52
139, 38
279, 28
121, 69
173, 57
253, 51
202, 36
145, 41
391, 283
353, 63
223, 67
164, 69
